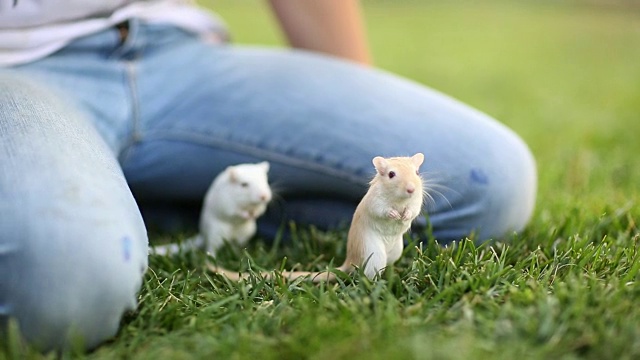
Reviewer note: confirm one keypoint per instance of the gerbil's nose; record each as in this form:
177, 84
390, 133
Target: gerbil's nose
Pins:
264, 197
410, 190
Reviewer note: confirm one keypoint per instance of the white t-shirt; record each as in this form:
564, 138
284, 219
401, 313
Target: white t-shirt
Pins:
33, 29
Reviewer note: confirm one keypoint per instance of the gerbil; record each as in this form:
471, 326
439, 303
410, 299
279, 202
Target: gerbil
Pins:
384, 214
233, 202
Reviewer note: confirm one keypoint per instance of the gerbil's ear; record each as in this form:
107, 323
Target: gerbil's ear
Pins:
233, 177
417, 159
265, 166
380, 164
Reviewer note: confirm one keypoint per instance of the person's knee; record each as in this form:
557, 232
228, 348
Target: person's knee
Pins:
79, 303
490, 199
74, 269
507, 199
73, 246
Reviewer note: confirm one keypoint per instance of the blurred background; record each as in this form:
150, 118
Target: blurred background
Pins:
564, 75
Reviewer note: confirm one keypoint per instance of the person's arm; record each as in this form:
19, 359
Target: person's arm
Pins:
333, 27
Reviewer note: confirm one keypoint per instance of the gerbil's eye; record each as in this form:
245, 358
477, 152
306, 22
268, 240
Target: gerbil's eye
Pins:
392, 174
244, 184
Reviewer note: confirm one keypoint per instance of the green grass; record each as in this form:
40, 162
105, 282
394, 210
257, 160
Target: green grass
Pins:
565, 76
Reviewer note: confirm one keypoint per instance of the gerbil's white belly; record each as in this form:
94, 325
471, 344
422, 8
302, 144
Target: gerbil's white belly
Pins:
379, 251
389, 235
389, 230
217, 231
241, 233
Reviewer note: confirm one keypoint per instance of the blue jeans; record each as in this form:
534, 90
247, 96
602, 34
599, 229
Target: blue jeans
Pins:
157, 117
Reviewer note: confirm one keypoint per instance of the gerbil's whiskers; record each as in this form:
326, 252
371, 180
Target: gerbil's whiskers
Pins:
431, 186
276, 205
276, 189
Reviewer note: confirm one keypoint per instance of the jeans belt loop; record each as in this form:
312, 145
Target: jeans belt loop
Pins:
123, 30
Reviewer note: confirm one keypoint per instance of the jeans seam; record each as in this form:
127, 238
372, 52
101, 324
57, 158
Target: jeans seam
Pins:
135, 101
135, 130
253, 150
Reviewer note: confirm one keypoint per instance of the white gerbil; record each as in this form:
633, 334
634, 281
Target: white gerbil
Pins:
385, 213
233, 202
237, 197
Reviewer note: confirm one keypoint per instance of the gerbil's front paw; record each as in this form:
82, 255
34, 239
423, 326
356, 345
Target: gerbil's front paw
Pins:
394, 214
407, 215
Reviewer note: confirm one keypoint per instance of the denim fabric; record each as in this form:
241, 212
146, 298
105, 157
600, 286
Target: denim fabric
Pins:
73, 246
174, 111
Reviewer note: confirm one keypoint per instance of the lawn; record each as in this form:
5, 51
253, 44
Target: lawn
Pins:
562, 74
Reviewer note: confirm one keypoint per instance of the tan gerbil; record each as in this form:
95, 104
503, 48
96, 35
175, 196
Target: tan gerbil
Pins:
393, 201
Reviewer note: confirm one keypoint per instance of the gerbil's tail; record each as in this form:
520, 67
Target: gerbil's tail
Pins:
191, 243
313, 276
